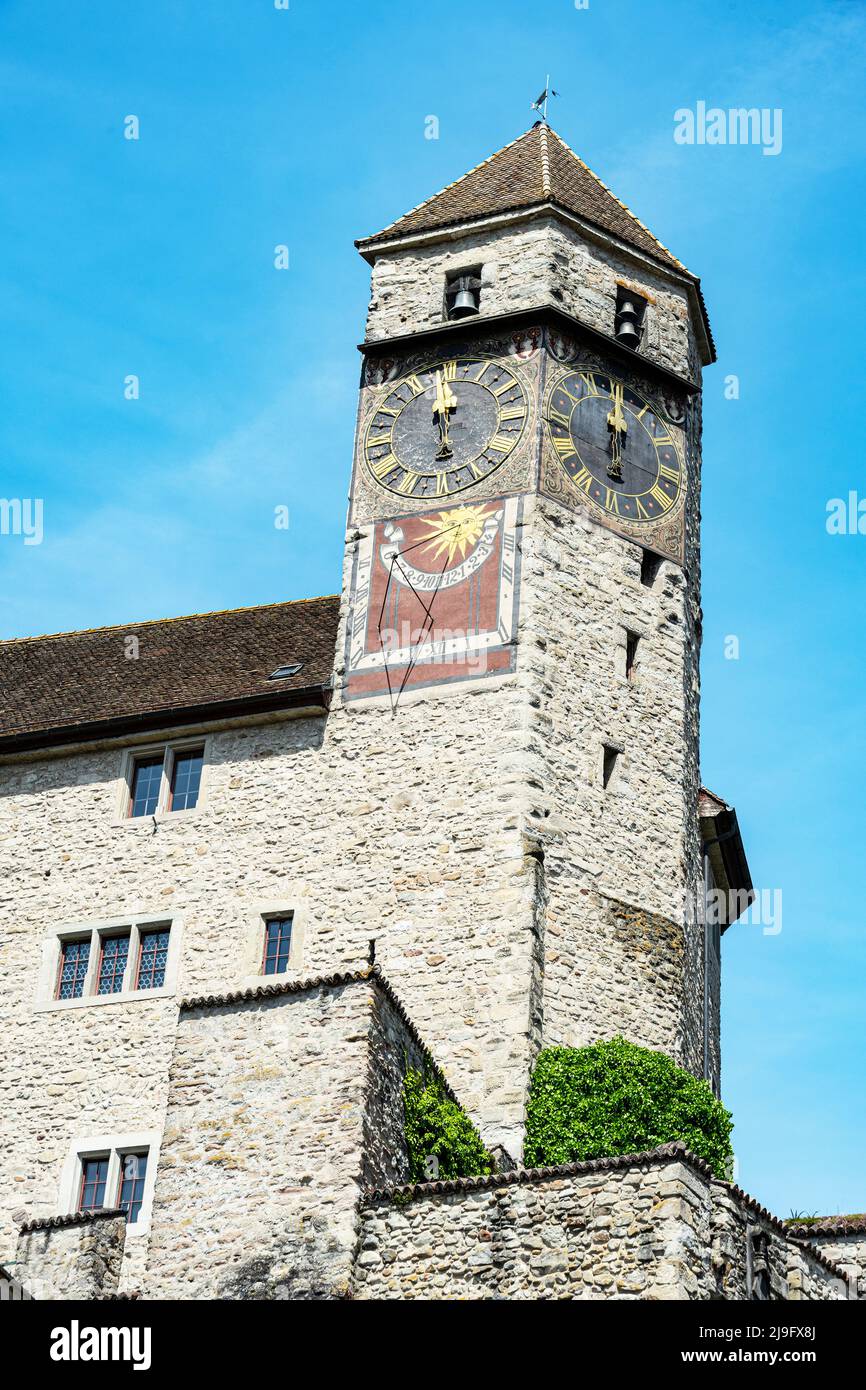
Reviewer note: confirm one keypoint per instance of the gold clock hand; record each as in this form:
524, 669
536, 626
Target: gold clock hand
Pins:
445, 402
618, 426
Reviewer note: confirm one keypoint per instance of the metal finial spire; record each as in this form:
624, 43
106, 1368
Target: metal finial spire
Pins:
540, 104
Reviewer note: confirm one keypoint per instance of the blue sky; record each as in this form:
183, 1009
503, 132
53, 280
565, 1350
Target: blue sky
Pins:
305, 127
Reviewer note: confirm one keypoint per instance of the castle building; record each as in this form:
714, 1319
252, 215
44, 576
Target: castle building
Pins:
259, 862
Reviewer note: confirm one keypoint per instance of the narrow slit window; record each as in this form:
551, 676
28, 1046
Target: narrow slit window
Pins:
94, 1175
609, 762
146, 782
113, 956
74, 960
186, 779
278, 945
631, 645
152, 958
133, 1171
649, 568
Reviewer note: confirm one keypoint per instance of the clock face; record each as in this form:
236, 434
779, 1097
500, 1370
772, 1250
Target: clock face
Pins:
445, 427
613, 446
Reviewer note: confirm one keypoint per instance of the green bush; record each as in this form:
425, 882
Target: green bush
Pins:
436, 1125
616, 1098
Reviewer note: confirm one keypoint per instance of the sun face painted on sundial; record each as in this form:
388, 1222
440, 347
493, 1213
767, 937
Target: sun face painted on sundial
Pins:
434, 599
444, 428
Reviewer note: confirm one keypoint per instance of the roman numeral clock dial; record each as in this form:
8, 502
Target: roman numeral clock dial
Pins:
615, 449
445, 427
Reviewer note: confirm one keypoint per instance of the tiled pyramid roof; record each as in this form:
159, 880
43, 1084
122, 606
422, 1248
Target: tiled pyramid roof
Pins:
538, 167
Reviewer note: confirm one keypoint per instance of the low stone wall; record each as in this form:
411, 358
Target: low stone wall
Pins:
647, 1226
72, 1257
844, 1242
283, 1104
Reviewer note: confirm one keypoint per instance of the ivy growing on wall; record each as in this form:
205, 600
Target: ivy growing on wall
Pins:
437, 1129
615, 1098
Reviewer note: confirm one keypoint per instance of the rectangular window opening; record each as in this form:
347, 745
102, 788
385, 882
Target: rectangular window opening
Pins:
631, 645
133, 1171
164, 781
94, 1175
463, 292
278, 945
611, 757
649, 568
74, 960
629, 319
152, 958
113, 957
186, 779
146, 782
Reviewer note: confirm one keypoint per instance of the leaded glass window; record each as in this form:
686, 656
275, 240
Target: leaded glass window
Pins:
74, 960
113, 956
152, 958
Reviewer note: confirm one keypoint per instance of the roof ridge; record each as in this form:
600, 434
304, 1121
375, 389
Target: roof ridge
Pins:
161, 622
377, 236
619, 201
545, 162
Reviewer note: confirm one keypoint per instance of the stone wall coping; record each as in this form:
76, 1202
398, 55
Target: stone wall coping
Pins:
520, 1176
75, 1218
244, 996
677, 1152
370, 975
828, 1226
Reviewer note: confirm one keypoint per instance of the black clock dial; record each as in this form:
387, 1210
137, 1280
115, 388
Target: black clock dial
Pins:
613, 446
445, 427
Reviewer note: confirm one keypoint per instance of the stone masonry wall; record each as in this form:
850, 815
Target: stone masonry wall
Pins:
79, 1258
408, 830
795, 1271
279, 1109
619, 862
524, 266
846, 1249
639, 1227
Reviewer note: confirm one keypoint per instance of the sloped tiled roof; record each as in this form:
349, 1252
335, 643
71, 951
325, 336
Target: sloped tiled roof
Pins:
538, 167
54, 689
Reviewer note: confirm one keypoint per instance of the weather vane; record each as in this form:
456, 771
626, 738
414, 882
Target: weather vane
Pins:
540, 104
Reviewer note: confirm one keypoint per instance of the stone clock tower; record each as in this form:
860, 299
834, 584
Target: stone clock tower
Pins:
518, 655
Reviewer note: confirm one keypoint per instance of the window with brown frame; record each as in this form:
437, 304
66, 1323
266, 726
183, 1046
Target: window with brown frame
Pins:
278, 945
94, 1175
113, 957
152, 958
74, 960
164, 781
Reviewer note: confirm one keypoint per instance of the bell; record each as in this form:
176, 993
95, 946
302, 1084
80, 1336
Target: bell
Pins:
465, 303
627, 321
